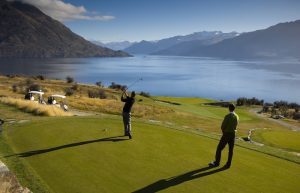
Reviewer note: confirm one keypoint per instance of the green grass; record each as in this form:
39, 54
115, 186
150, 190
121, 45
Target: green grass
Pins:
197, 106
286, 139
86, 155
184, 100
24, 172
10, 112
208, 118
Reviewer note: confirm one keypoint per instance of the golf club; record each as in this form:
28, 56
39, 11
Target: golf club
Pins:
136, 81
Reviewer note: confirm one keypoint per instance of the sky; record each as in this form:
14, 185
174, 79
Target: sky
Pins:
136, 20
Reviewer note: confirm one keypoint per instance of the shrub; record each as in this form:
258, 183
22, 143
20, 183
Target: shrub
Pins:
102, 94
294, 105
75, 86
117, 86
40, 77
296, 116
97, 94
69, 91
92, 94
278, 104
268, 104
14, 88
29, 81
34, 87
12, 75
69, 79
99, 83
248, 101
145, 94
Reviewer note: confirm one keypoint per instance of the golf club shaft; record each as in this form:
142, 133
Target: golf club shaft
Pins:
136, 81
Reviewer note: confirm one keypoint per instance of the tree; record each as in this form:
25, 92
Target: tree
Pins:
99, 83
69, 79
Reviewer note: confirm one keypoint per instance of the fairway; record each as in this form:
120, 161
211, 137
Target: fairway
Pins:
90, 155
286, 139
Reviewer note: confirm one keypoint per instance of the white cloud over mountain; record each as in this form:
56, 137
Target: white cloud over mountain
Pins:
62, 11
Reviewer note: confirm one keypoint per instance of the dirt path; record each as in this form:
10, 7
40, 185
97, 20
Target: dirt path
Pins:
280, 122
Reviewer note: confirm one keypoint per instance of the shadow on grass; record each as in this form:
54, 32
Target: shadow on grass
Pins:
41, 151
173, 181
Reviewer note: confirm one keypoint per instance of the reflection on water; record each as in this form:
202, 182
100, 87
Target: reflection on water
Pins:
175, 76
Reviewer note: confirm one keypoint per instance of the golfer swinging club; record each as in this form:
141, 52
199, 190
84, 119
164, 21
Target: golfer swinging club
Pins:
228, 127
127, 112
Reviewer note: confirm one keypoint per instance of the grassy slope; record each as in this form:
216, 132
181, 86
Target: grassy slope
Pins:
191, 115
285, 139
85, 155
209, 118
24, 172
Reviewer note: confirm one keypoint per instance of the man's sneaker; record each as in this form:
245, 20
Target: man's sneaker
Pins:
213, 164
130, 137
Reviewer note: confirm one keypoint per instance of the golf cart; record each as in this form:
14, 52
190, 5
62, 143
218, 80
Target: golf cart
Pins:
59, 101
30, 96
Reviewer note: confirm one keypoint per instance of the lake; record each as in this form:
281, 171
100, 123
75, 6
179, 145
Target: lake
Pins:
175, 76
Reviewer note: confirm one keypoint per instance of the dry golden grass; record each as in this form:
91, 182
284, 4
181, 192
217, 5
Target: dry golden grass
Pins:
112, 106
98, 105
80, 99
49, 86
33, 107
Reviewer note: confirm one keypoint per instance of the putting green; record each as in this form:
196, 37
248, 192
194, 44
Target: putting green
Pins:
90, 155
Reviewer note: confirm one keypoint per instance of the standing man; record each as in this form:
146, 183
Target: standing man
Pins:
228, 127
127, 112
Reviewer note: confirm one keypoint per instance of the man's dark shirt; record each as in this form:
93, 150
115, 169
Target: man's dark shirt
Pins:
128, 104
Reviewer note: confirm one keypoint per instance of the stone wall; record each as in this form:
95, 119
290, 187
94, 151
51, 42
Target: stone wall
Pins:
9, 183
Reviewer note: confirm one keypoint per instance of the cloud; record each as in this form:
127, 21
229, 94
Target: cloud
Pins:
62, 11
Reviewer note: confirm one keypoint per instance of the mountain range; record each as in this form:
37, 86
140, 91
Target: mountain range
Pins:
114, 45
203, 38
281, 40
26, 32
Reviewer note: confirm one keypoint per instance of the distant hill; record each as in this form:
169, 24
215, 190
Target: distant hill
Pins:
281, 40
206, 38
26, 32
142, 47
114, 45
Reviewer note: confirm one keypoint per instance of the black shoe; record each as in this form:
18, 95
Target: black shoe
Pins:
213, 164
130, 137
227, 165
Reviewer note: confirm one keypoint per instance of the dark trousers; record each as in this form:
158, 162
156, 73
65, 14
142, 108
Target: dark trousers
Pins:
227, 138
127, 123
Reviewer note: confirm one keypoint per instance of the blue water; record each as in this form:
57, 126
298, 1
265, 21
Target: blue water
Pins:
175, 76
